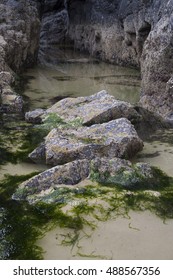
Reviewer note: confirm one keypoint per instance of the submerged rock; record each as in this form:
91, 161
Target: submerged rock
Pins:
116, 138
97, 108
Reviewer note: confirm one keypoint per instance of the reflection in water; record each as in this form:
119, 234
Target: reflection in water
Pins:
48, 85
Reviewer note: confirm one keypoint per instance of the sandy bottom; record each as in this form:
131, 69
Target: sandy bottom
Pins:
158, 154
20, 169
143, 236
73, 80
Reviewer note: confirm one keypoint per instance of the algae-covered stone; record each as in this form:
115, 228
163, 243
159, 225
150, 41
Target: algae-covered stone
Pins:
117, 138
57, 184
97, 108
67, 174
123, 173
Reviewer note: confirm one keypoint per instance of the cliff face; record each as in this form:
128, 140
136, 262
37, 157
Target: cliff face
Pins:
53, 30
157, 62
130, 32
127, 32
19, 41
19, 29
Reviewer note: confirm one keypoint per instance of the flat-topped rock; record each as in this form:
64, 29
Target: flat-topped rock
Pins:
117, 138
97, 108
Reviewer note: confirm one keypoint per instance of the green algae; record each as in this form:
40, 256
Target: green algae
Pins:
53, 120
17, 227
132, 179
23, 224
15, 145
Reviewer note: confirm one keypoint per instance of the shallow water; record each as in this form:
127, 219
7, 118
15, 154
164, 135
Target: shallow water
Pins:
46, 85
140, 237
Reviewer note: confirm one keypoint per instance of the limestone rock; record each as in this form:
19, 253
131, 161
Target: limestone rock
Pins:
116, 138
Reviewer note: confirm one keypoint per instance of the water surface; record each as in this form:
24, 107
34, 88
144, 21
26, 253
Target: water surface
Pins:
46, 85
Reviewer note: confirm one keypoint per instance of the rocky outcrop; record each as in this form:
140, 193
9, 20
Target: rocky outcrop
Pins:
157, 63
19, 40
53, 31
134, 33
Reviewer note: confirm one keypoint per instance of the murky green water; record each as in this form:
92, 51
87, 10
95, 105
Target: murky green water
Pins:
44, 87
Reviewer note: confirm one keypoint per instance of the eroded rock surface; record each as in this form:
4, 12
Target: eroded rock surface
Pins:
116, 138
68, 174
135, 33
97, 108
19, 40
52, 185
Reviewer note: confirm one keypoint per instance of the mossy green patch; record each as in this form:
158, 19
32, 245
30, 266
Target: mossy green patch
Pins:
133, 179
53, 120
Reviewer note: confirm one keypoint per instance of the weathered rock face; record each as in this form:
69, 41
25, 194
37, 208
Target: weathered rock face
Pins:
52, 185
135, 33
97, 108
118, 31
53, 31
116, 138
19, 40
19, 27
157, 63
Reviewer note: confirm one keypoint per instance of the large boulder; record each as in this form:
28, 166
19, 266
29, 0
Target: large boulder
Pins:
68, 174
117, 138
97, 108
58, 183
